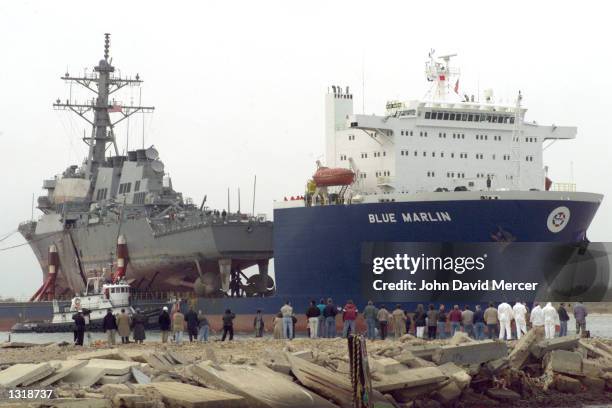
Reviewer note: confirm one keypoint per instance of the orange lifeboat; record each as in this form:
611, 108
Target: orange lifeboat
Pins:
326, 177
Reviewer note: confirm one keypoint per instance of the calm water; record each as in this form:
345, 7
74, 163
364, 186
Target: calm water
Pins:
600, 325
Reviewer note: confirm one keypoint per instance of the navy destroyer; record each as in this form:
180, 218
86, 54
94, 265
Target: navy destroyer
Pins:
117, 216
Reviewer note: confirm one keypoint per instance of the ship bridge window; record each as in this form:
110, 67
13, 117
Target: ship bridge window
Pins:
470, 117
477, 117
137, 185
452, 116
415, 153
445, 115
427, 115
351, 137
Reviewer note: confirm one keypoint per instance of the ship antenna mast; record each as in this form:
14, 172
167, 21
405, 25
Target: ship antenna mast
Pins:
516, 143
102, 82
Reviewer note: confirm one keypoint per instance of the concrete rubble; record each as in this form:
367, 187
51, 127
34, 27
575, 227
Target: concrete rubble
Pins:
266, 373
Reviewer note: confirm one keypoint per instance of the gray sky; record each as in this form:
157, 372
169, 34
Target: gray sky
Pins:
239, 87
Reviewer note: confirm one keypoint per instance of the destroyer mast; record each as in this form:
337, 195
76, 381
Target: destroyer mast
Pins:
103, 84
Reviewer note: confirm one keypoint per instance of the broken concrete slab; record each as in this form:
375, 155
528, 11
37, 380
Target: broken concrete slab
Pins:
139, 376
85, 376
178, 357
456, 374
407, 395
567, 384
425, 351
469, 353
329, 384
447, 394
460, 338
40, 376
519, 355
563, 361
495, 366
594, 351
542, 347
191, 396
129, 400
20, 373
594, 384
305, 354
115, 379
113, 367
385, 365
407, 378
65, 368
592, 368
247, 381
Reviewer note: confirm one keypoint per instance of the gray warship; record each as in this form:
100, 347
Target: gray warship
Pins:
117, 216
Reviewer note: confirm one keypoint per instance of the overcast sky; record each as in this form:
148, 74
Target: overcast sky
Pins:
239, 87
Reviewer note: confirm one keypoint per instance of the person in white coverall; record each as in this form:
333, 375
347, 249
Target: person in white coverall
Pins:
520, 311
504, 314
537, 320
551, 318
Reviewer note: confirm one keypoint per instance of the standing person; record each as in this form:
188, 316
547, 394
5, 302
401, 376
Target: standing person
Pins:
312, 315
164, 324
192, 324
109, 325
504, 314
490, 316
551, 317
442, 318
455, 319
580, 314
563, 318
321, 329
287, 312
420, 321
399, 322
467, 320
349, 314
369, 315
228, 324
178, 325
479, 323
537, 321
408, 322
258, 324
79, 323
383, 317
278, 326
330, 313
520, 320
204, 328
432, 322
138, 326
123, 326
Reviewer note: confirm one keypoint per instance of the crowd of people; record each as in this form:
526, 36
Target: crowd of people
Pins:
432, 322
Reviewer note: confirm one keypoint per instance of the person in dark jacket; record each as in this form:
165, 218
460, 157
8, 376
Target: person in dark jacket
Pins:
563, 318
79, 323
192, 324
420, 321
228, 324
408, 322
109, 325
432, 322
312, 316
138, 326
330, 313
164, 324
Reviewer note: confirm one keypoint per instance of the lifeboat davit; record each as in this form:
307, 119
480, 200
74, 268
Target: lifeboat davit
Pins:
326, 177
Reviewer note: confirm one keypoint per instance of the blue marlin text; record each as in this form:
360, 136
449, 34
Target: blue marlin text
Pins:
392, 218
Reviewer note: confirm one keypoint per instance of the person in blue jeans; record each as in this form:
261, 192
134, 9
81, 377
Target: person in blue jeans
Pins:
287, 312
321, 306
349, 315
479, 323
330, 313
369, 314
442, 322
204, 327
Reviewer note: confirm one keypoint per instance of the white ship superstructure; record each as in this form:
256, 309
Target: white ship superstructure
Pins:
443, 142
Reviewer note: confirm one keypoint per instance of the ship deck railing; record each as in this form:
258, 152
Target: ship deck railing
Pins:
171, 226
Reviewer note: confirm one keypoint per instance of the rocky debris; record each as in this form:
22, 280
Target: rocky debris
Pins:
410, 372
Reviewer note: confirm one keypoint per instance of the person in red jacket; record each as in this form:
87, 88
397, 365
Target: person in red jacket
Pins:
455, 318
349, 314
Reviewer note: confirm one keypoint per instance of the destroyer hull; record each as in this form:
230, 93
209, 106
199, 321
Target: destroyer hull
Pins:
158, 261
